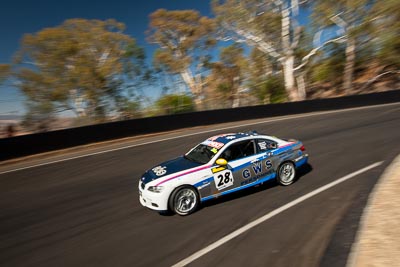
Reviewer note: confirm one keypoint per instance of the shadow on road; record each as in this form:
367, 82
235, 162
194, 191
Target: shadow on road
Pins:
254, 189
307, 168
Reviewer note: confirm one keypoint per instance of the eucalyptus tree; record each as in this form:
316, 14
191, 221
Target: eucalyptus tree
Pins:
353, 21
386, 16
80, 65
184, 38
228, 75
272, 27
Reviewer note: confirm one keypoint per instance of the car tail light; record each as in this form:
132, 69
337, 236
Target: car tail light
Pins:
302, 148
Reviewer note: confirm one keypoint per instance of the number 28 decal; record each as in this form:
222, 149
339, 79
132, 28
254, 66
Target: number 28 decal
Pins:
223, 179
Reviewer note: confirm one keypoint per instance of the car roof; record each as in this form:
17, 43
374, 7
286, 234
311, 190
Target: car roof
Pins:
223, 139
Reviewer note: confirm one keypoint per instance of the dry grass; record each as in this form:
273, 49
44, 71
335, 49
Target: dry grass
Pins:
378, 241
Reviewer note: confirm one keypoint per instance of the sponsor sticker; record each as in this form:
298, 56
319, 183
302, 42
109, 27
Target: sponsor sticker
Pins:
217, 169
214, 144
262, 145
159, 170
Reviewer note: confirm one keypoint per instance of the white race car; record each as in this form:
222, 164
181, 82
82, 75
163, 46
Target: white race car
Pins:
218, 166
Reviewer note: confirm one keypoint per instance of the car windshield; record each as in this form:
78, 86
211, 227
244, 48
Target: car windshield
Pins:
201, 154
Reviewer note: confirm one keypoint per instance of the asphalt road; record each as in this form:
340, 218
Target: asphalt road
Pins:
85, 211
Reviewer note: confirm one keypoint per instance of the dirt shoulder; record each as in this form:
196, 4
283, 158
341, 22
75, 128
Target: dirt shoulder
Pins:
378, 240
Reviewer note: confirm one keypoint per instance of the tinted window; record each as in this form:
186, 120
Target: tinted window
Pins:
239, 150
201, 154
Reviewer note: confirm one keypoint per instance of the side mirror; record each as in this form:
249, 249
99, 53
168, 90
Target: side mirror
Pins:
221, 162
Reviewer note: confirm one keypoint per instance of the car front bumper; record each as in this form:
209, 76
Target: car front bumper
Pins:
154, 201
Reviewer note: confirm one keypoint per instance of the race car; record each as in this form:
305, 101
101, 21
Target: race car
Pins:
218, 166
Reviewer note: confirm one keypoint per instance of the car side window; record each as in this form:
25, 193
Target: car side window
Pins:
265, 145
239, 150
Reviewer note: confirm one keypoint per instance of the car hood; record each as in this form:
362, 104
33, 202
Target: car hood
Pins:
168, 168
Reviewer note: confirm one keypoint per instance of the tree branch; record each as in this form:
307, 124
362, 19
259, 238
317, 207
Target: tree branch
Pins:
377, 77
315, 50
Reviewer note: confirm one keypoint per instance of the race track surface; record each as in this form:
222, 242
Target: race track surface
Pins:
85, 211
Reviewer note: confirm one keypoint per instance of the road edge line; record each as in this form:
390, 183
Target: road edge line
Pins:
364, 234
272, 119
271, 214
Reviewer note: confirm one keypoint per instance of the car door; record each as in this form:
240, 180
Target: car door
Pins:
239, 156
265, 168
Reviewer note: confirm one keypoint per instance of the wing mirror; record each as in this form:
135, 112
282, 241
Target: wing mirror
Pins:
221, 162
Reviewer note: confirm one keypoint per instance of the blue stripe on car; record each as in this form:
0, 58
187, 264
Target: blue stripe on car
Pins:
266, 178
205, 181
301, 162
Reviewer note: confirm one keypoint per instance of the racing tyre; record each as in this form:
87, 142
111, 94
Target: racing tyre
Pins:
184, 200
286, 173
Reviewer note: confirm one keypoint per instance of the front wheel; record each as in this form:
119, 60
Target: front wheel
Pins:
184, 200
286, 173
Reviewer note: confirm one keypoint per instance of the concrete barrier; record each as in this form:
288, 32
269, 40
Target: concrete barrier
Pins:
44, 142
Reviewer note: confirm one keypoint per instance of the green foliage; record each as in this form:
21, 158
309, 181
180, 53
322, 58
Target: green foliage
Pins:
270, 90
184, 38
174, 104
387, 31
389, 53
129, 109
330, 65
184, 29
40, 117
249, 16
79, 66
227, 75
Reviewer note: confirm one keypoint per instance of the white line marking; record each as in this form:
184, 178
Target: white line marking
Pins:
288, 117
269, 215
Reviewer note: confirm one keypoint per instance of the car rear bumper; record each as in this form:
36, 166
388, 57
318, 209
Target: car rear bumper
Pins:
300, 161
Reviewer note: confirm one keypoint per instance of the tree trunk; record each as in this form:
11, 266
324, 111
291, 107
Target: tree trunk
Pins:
301, 86
288, 73
349, 67
236, 99
194, 88
288, 59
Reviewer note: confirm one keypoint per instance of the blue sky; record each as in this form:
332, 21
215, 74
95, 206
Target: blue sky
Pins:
20, 17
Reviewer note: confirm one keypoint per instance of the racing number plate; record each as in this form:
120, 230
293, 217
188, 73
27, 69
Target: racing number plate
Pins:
223, 179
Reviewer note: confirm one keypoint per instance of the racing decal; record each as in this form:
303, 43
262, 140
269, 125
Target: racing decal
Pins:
246, 185
216, 145
246, 173
268, 164
262, 145
185, 173
217, 169
223, 179
204, 183
257, 168
159, 170
288, 144
218, 136
214, 150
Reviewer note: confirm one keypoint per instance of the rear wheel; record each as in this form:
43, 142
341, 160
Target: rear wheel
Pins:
286, 173
184, 200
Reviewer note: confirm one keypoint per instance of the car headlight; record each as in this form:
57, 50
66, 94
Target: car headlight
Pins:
155, 189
